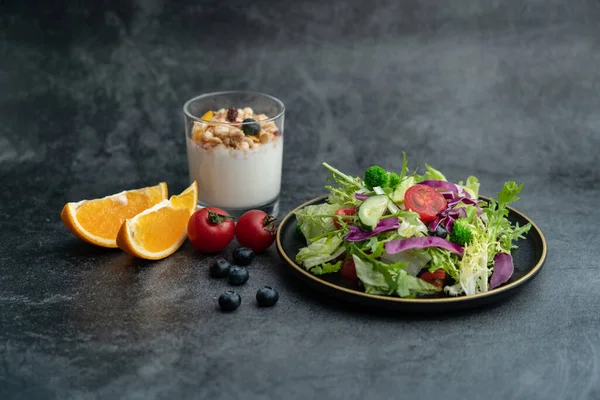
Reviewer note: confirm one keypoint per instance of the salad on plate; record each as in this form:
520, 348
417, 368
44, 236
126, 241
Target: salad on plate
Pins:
410, 235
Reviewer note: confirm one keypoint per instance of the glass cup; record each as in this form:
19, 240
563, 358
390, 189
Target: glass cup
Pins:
236, 164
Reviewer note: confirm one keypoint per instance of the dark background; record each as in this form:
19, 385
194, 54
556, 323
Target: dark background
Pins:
90, 104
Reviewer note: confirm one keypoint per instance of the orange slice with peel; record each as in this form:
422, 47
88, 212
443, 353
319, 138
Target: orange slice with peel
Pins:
98, 221
159, 231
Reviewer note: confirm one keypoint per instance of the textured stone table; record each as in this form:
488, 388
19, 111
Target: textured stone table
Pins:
91, 105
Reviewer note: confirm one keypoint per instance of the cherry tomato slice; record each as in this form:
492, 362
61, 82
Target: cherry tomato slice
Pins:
348, 270
436, 278
346, 211
425, 201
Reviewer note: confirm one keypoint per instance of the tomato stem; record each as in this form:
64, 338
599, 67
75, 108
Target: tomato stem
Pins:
269, 223
217, 219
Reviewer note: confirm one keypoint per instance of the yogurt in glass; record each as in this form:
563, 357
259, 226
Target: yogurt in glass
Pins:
235, 155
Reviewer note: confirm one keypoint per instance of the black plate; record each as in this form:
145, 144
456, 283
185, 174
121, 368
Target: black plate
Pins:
528, 259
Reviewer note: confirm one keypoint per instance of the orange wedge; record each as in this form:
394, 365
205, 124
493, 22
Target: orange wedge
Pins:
98, 221
158, 232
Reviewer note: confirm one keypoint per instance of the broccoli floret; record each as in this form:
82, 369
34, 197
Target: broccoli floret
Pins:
394, 180
376, 176
461, 232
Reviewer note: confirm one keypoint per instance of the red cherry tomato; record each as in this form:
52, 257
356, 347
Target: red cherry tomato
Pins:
346, 211
210, 229
348, 270
436, 278
425, 201
256, 230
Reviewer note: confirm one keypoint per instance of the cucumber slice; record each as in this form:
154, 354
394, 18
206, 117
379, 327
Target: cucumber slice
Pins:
372, 209
391, 206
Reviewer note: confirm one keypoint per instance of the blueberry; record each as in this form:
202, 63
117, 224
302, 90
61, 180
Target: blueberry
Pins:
219, 268
267, 297
243, 256
250, 129
238, 275
229, 301
440, 231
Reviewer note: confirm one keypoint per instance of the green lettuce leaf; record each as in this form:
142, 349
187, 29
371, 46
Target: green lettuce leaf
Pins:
347, 186
471, 186
316, 220
380, 278
376, 245
411, 225
509, 194
432, 174
410, 286
443, 259
373, 281
398, 194
405, 181
415, 259
326, 268
320, 251
404, 170
501, 233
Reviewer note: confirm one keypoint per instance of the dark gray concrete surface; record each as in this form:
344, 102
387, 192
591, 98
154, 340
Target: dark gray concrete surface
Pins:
90, 104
